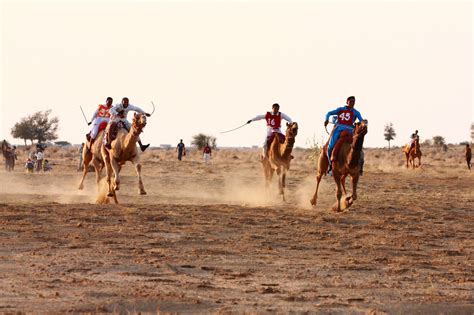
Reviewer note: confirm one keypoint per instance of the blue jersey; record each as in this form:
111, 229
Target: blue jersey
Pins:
346, 116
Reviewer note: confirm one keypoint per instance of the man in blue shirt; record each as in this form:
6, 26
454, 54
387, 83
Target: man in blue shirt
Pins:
345, 118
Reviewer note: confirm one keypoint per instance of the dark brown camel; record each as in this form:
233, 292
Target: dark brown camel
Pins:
279, 158
346, 163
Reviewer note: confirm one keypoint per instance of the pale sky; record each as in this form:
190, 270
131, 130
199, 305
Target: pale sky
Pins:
211, 66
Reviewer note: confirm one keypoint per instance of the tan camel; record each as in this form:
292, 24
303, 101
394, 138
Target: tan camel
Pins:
346, 163
123, 149
413, 153
93, 155
279, 157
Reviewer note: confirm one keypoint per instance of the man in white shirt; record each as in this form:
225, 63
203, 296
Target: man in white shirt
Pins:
273, 119
39, 160
119, 113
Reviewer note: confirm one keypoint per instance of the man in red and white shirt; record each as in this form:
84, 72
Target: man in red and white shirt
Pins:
273, 119
100, 115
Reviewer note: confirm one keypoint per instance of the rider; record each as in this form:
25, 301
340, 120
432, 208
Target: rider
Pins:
413, 137
273, 119
100, 115
346, 116
119, 113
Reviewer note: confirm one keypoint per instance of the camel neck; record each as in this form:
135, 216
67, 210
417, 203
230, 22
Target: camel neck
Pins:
354, 155
289, 143
131, 139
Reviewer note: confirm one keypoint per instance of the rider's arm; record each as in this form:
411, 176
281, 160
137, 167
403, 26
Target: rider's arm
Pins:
286, 117
114, 110
258, 117
95, 114
136, 109
358, 115
333, 112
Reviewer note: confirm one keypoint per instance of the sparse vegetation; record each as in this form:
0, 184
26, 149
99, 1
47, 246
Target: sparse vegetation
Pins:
389, 133
38, 126
200, 140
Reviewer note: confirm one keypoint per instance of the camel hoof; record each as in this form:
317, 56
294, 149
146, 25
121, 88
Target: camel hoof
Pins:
349, 201
142, 192
81, 187
110, 194
117, 188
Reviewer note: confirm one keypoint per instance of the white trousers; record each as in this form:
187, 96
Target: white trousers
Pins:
96, 124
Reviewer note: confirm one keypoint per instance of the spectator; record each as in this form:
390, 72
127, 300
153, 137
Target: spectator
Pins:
29, 165
39, 160
181, 149
207, 153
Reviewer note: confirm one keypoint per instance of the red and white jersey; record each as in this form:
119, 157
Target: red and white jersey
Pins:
273, 120
102, 111
345, 117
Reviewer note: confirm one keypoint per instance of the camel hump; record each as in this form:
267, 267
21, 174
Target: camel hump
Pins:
344, 137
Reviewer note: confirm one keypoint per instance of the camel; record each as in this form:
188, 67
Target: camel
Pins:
94, 155
346, 162
123, 149
279, 157
8, 156
413, 153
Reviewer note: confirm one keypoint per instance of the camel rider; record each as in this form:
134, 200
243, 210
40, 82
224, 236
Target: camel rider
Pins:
273, 119
346, 117
119, 113
413, 138
100, 115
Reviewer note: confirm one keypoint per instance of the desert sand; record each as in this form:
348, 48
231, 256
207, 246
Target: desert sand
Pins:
212, 239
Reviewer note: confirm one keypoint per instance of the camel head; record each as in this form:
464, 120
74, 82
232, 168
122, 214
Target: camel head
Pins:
139, 122
291, 130
361, 128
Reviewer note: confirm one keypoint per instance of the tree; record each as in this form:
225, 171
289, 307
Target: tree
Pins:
38, 126
389, 133
200, 140
438, 141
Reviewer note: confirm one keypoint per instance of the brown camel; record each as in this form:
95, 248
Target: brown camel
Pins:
279, 157
123, 149
346, 162
8, 156
93, 155
413, 153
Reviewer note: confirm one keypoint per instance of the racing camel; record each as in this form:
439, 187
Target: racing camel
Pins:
279, 157
346, 163
413, 153
123, 149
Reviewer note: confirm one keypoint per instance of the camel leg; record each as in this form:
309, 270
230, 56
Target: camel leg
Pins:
86, 159
108, 174
138, 169
116, 170
407, 159
322, 169
283, 184
337, 179
98, 170
343, 183
419, 161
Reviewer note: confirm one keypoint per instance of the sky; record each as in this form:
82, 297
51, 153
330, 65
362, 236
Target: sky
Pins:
210, 66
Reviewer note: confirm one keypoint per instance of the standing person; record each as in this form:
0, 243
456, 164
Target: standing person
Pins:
468, 156
39, 160
100, 115
207, 153
181, 149
273, 119
29, 165
119, 113
81, 149
346, 116
14, 157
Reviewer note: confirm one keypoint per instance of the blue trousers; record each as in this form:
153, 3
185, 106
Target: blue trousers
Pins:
335, 136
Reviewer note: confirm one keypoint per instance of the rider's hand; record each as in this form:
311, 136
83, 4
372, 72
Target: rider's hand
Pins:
326, 122
248, 122
89, 123
147, 114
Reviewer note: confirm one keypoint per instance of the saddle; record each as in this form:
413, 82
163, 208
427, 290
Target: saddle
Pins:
114, 128
281, 138
344, 137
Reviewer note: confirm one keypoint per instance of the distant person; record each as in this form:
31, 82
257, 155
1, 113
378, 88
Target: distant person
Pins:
181, 149
207, 153
29, 165
468, 156
273, 119
46, 166
100, 115
414, 136
39, 160
12, 151
80, 166
119, 113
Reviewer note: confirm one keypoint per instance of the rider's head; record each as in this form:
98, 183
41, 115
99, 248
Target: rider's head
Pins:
181, 140
275, 108
125, 102
416, 132
109, 101
351, 101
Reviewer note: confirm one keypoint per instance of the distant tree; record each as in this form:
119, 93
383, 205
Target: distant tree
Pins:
200, 140
389, 133
38, 126
438, 141
427, 143
23, 130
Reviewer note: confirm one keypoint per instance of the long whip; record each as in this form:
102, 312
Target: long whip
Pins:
83, 114
233, 129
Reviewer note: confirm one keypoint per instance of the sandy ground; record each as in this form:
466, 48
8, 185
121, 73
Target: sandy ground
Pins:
212, 239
